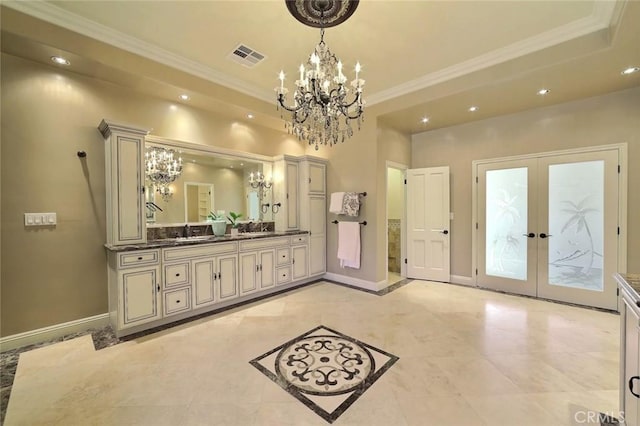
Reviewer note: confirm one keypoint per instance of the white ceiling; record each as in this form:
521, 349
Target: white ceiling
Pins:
420, 58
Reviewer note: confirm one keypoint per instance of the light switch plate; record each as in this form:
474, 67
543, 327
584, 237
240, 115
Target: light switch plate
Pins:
40, 219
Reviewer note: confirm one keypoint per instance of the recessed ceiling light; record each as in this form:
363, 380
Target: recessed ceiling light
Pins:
250, 116
473, 109
60, 60
424, 120
185, 97
543, 92
630, 70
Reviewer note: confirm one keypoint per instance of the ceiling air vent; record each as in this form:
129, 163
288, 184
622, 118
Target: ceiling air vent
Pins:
246, 56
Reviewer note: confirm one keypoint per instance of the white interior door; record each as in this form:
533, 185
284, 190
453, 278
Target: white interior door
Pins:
548, 227
578, 214
428, 230
507, 227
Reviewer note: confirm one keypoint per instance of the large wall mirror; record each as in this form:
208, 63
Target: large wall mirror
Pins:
210, 181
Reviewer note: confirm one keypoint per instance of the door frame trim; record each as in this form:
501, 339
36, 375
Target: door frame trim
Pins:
403, 243
622, 149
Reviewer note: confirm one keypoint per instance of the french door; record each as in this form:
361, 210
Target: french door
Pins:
548, 227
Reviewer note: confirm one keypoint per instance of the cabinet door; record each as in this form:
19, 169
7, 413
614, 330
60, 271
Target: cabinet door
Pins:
292, 195
631, 367
249, 270
126, 177
203, 282
267, 268
227, 276
317, 238
299, 262
316, 178
139, 296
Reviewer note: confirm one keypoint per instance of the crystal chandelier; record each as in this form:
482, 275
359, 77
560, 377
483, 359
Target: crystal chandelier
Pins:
323, 102
162, 168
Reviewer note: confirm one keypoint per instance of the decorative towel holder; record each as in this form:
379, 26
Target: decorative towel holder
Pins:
363, 223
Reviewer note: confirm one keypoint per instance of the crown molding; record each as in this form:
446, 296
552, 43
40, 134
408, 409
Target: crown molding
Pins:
602, 17
58, 16
604, 14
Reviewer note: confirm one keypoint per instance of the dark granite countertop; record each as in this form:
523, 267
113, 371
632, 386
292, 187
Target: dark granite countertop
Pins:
631, 284
178, 242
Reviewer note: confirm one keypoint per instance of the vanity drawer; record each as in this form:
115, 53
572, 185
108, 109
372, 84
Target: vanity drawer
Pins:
263, 243
175, 275
198, 250
284, 256
133, 259
176, 301
283, 275
299, 239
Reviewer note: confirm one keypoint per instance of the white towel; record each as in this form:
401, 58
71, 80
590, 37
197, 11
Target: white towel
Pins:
349, 244
336, 205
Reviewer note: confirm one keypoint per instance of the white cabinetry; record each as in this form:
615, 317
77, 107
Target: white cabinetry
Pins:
258, 261
134, 292
257, 270
313, 211
124, 150
630, 365
285, 184
299, 257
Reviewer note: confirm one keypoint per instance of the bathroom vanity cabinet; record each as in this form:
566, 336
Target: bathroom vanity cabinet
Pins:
161, 281
629, 285
152, 285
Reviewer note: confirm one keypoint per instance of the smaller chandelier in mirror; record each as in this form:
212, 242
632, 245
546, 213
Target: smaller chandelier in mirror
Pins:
162, 166
258, 181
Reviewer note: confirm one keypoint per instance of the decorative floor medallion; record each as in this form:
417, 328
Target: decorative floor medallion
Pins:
324, 369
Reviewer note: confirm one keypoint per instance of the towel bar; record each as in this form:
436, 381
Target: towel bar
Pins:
363, 223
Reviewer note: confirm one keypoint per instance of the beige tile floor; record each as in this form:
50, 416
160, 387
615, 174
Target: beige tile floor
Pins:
467, 357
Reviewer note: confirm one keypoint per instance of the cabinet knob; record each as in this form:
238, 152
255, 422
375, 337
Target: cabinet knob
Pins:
139, 257
177, 301
177, 275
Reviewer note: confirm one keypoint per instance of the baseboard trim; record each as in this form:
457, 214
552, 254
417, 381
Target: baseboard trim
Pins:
462, 280
357, 282
48, 333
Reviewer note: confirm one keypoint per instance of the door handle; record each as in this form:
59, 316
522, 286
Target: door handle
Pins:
543, 235
530, 235
631, 386
444, 231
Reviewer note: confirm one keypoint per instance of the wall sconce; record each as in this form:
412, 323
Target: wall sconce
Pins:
258, 180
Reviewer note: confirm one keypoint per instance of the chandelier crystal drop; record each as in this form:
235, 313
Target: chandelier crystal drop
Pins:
162, 168
324, 101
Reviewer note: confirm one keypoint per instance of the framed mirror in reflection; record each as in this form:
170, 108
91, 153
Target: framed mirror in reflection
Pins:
207, 183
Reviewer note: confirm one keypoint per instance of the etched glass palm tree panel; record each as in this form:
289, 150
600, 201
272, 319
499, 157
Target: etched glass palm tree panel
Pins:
506, 222
576, 225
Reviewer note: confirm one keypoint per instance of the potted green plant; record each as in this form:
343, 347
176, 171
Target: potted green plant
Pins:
233, 218
218, 223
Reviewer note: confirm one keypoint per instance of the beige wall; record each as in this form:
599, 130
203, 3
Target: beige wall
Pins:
613, 118
395, 194
55, 275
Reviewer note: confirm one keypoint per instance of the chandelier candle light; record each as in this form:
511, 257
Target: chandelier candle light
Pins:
162, 168
323, 104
